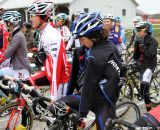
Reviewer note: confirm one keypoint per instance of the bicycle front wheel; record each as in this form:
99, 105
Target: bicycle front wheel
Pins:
9, 118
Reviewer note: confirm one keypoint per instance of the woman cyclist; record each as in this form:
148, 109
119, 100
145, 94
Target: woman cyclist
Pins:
145, 52
62, 25
100, 85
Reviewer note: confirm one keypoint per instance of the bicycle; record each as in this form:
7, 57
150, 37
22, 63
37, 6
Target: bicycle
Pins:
131, 78
131, 83
11, 114
66, 117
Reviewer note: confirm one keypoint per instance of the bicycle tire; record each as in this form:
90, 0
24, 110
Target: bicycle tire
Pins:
155, 88
9, 107
40, 100
130, 105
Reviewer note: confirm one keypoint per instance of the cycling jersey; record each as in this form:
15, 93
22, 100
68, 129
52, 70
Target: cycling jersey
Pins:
56, 67
115, 35
65, 33
4, 40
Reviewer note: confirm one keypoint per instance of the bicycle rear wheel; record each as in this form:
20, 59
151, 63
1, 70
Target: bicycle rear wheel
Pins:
11, 110
155, 88
133, 110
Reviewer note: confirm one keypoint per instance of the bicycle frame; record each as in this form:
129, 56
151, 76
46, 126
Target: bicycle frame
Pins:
22, 104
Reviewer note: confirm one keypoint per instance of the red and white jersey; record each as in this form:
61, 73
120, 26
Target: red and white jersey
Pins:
5, 36
57, 68
65, 33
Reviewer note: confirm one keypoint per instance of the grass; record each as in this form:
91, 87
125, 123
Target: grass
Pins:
156, 33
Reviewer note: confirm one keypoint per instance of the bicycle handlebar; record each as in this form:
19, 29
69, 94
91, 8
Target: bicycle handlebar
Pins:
12, 83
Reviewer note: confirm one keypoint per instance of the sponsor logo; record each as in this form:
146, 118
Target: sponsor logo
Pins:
114, 64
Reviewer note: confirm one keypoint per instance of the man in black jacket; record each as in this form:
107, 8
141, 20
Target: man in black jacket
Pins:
145, 52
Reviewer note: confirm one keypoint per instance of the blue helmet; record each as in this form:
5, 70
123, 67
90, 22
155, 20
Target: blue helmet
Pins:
87, 23
117, 19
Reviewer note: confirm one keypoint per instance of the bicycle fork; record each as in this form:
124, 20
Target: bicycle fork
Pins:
20, 107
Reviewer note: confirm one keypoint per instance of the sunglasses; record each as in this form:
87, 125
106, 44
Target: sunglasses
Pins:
32, 15
140, 29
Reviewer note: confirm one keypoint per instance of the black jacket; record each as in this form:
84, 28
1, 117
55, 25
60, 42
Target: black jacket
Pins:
103, 62
78, 70
145, 51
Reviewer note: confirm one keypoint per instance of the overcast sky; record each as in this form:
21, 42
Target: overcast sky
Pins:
149, 6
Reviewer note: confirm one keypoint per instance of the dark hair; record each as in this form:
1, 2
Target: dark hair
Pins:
28, 25
99, 34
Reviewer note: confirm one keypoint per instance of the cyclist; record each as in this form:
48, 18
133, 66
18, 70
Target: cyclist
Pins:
52, 51
117, 21
54, 57
19, 67
102, 71
114, 35
62, 25
133, 35
145, 50
17, 50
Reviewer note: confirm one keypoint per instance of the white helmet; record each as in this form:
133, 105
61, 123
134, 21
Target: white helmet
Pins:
137, 19
108, 16
41, 7
141, 24
12, 17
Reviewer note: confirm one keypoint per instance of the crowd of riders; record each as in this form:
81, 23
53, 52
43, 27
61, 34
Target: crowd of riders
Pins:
91, 78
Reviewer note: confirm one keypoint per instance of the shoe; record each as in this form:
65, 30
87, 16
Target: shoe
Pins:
21, 127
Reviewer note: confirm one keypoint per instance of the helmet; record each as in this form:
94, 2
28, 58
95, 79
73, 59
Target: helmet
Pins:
12, 17
117, 18
87, 23
41, 7
137, 19
78, 13
61, 16
108, 16
141, 24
